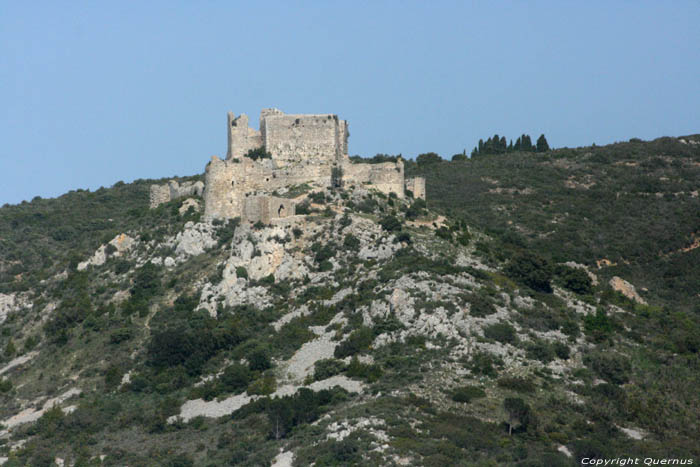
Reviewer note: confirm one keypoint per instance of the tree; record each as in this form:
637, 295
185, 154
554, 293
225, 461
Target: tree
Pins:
531, 270
542, 145
518, 413
459, 157
428, 158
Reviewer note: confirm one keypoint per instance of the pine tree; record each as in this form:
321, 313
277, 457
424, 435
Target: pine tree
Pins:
542, 145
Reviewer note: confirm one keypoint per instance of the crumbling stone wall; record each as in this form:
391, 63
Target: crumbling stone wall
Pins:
314, 139
417, 186
241, 138
387, 177
304, 149
265, 208
160, 194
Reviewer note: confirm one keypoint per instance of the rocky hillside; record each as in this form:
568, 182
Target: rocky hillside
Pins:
366, 330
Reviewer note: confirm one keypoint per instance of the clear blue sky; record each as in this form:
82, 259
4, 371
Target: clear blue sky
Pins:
96, 92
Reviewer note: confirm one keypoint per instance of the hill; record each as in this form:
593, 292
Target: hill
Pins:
476, 329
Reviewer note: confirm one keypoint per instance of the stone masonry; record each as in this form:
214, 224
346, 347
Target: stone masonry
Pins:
304, 149
416, 186
173, 190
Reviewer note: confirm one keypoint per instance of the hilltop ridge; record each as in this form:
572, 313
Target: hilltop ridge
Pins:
364, 329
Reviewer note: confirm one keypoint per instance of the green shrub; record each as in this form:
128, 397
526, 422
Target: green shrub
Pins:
574, 279
531, 270
242, 272
484, 363
517, 384
5, 386
235, 378
367, 372
612, 367
479, 305
428, 158
327, 367
303, 208
226, 232
351, 242
318, 197
467, 393
358, 341
444, 233
519, 414
390, 223
258, 153
259, 359
263, 386
502, 332
562, 350
402, 237
113, 377
540, 350
120, 335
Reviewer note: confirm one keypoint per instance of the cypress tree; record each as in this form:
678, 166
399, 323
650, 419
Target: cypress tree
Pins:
542, 145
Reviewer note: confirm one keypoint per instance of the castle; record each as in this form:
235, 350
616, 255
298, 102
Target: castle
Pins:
289, 150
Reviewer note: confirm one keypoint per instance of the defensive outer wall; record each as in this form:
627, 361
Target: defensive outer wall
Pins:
303, 149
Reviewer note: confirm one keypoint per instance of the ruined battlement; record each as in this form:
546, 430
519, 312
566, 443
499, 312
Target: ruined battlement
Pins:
304, 149
290, 139
160, 194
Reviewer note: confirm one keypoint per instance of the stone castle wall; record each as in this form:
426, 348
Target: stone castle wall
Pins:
160, 194
303, 148
265, 208
315, 139
241, 138
387, 177
417, 186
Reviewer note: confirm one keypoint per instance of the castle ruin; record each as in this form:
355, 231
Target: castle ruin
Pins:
296, 149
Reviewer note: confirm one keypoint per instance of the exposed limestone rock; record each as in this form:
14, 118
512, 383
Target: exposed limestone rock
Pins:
7, 304
189, 203
283, 459
12, 302
33, 414
194, 240
373, 425
264, 252
21, 360
634, 433
626, 289
121, 245
235, 291
301, 364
